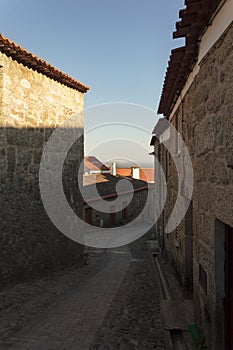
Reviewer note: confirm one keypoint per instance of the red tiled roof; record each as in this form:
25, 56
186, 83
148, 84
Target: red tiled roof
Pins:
92, 163
147, 174
123, 171
19, 54
194, 19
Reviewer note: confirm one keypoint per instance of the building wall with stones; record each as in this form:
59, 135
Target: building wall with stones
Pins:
130, 213
209, 135
205, 121
121, 212
32, 106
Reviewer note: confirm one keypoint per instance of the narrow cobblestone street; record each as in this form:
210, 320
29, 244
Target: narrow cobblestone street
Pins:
112, 303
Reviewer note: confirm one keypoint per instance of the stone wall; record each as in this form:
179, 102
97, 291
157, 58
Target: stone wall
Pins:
206, 125
32, 105
132, 211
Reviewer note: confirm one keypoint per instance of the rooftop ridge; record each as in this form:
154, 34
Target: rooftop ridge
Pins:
28, 59
193, 21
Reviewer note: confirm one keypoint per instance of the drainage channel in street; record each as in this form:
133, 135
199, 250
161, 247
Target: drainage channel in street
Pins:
174, 336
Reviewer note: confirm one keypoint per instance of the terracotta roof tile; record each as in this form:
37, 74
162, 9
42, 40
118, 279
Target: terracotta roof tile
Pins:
147, 174
123, 171
92, 163
19, 54
194, 19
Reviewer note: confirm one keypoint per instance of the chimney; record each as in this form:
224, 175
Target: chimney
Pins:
135, 172
114, 169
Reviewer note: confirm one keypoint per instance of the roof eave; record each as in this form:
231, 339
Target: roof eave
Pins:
21, 55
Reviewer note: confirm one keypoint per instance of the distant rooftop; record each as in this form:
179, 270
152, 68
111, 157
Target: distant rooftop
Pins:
91, 163
106, 184
123, 171
145, 174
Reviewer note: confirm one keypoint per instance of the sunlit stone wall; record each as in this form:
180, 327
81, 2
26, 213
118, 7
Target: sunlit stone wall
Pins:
31, 106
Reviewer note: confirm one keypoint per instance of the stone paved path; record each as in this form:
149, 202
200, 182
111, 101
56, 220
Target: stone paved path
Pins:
133, 321
113, 303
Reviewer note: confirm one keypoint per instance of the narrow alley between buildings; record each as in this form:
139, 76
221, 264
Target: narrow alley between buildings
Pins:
111, 303
115, 302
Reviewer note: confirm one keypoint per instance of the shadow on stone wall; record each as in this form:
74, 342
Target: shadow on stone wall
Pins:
30, 245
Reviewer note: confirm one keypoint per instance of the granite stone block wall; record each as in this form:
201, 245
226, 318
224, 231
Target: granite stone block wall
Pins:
205, 122
31, 107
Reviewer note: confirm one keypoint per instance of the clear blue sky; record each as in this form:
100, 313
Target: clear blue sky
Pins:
119, 48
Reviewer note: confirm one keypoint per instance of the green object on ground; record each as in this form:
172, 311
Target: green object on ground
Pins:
197, 336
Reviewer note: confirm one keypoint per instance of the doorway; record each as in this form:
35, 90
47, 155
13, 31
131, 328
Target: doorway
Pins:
88, 215
112, 216
188, 257
124, 211
224, 285
228, 298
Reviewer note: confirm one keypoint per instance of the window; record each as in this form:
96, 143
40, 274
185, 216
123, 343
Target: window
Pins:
112, 216
177, 236
203, 278
167, 164
177, 141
